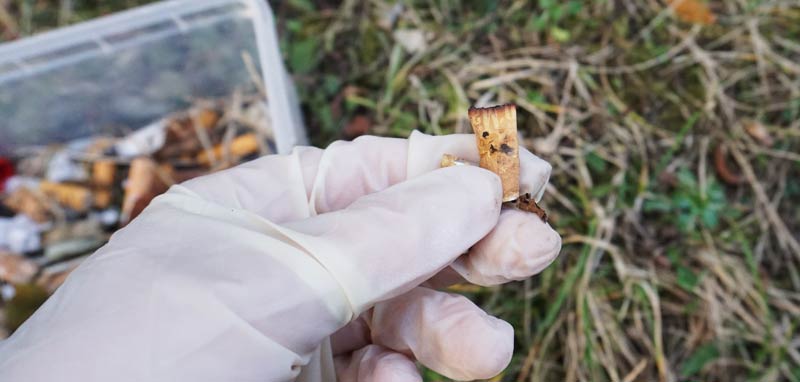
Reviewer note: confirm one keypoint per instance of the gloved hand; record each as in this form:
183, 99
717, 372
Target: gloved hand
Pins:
245, 275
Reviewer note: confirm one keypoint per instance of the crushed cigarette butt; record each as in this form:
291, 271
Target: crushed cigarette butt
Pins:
239, 147
76, 197
103, 172
496, 133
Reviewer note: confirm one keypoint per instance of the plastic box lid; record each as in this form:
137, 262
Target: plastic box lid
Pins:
121, 72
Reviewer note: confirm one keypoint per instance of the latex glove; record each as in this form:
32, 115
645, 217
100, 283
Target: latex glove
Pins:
244, 274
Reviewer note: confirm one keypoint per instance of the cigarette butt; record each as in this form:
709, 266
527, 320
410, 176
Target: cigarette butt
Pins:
143, 184
76, 197
240, 146
206, 118
496, 132
184, 132
102, 198
27, 202
103, 172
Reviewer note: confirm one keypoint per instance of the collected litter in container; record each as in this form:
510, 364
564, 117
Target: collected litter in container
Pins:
98, 118
50, 220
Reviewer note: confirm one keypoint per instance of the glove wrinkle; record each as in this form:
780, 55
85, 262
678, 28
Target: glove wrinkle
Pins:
278, 232
349, 170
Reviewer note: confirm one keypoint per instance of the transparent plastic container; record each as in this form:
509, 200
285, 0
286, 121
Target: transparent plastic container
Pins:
118, 73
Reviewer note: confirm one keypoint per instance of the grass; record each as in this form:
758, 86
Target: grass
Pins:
680, 221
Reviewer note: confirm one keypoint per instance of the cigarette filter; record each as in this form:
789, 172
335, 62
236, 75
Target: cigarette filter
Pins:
27, 202
103, 172
239, 147
142, 186
496, 132
74, 196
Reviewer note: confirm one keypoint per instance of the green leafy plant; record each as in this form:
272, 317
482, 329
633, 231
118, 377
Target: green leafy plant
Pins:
699, 359
553, 12
688, 206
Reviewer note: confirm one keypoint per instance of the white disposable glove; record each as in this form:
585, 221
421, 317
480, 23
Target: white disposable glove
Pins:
245, 275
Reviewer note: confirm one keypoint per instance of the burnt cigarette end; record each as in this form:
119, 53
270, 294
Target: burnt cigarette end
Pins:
496, 134
527, 204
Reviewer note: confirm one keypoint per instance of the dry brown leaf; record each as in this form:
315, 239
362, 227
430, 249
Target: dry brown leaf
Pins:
76, 197
526, 203
693, 11
30, 203
759, 132
358, 126
723, 169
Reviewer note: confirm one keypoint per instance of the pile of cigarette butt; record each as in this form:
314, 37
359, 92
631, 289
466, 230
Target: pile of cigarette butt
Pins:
498, 147
59, 203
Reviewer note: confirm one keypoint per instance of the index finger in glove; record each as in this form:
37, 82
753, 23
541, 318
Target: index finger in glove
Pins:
349, 170
520, 246
311, 181
387, 242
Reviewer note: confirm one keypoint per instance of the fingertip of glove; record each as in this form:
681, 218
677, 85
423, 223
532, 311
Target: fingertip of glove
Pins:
395, 367
520, 246
487, 351
543, 242
482, 185
502, 349
534, 174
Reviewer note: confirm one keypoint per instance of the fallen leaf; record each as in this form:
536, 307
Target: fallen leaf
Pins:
721, 165
30, 203
759, 133
357, 126
693, 11
669, 178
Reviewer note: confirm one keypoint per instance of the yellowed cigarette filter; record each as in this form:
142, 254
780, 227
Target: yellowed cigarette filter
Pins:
78, 198
102, 198
496, 132
207, 118
103, 172
239, 147
142, 186
25, 201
